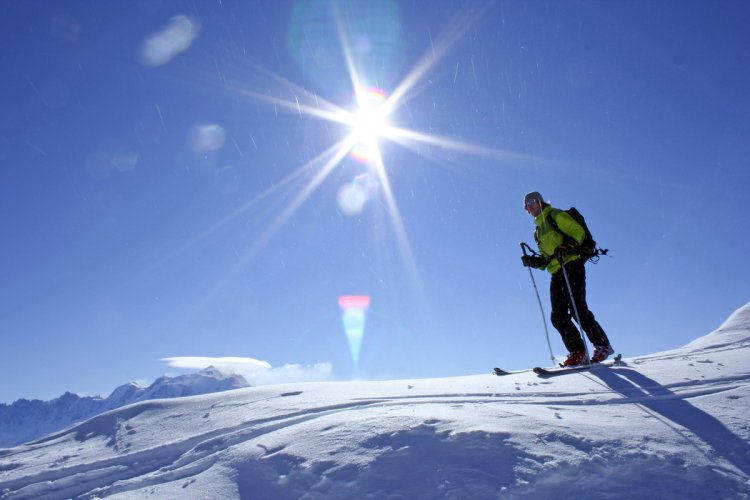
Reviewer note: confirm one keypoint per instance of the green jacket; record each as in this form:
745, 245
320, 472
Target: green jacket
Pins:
547, 239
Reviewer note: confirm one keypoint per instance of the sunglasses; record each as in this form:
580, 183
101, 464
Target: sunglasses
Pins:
530, 203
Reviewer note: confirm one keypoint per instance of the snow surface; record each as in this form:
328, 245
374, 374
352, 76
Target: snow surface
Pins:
668, 425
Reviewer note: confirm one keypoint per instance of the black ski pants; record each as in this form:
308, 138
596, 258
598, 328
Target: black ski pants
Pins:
562, 310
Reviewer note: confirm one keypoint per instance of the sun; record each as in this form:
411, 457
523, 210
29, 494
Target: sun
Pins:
368, 124
371, 119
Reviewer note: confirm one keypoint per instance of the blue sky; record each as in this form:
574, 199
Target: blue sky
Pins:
160, 198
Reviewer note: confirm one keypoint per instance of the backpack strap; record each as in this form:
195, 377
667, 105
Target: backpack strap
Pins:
550, 219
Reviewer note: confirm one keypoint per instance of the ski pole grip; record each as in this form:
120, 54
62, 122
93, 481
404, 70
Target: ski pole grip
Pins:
525, 247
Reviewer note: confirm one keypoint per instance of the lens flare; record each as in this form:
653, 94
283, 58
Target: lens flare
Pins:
374, 34
354, 308
125, 160
206, 137
176, 37
353, 197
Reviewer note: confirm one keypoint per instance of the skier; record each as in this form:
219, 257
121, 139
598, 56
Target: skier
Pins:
561, 243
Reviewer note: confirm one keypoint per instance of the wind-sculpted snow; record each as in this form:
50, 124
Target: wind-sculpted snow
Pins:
668, 425
734, 332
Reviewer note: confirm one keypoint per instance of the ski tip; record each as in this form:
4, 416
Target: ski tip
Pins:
500, 372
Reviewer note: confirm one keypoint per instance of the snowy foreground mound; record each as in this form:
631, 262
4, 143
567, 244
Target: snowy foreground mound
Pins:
669, 425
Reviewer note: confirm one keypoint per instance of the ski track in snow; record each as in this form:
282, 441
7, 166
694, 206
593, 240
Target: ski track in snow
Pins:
673, 421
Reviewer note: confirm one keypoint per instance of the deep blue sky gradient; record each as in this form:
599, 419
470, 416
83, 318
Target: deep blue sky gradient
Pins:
636, 112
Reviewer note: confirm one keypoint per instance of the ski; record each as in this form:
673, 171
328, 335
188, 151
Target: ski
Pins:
552, 372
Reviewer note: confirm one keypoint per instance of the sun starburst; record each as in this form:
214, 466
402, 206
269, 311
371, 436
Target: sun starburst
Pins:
371, 119
369, 123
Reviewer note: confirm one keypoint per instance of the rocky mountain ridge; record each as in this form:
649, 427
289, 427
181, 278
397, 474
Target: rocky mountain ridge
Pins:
25, 420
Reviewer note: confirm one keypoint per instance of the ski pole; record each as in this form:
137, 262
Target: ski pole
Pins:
524, 246
558, 255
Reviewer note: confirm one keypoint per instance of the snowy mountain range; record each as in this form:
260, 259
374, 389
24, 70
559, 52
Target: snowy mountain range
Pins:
668, 425
25, 420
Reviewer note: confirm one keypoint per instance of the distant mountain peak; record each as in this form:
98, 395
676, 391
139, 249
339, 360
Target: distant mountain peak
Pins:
212, 371
26, 420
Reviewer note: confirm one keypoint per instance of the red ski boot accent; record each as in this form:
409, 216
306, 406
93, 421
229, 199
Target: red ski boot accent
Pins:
575, 359
601, 352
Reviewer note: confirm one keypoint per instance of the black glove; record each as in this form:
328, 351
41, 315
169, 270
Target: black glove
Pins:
535, 261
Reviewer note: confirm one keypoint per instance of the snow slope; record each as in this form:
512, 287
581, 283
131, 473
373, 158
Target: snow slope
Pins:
668, 425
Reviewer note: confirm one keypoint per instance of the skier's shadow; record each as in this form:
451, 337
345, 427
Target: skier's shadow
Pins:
672, 409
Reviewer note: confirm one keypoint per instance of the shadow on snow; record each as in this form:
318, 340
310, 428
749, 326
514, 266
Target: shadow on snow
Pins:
672, 409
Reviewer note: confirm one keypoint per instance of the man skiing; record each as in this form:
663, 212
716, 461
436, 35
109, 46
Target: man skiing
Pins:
556, 244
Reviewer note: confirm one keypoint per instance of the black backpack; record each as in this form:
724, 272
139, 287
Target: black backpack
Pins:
587, 249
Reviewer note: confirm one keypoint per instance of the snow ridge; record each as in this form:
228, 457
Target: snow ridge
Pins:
732, 332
